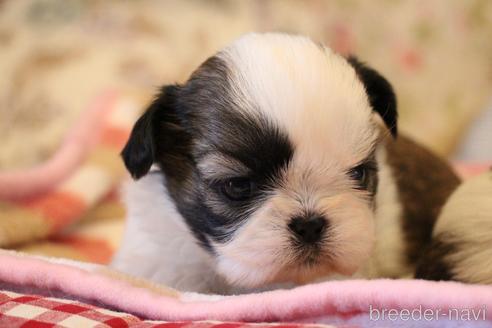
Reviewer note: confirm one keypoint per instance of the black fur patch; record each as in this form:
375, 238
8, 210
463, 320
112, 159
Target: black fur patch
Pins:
264, 150
381, 95
138, 153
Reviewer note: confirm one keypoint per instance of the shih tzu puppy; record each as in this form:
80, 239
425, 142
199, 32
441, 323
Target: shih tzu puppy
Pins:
461, 246
277, 162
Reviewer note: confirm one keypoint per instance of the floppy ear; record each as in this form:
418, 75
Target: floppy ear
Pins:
148, 137
381, 95
139, 151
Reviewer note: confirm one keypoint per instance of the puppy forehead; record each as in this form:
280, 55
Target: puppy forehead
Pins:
310, 92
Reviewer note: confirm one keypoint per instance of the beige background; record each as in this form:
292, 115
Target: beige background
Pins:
57, 55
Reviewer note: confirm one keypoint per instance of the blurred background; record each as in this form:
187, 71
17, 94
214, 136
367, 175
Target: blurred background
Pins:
57, 55
59, 58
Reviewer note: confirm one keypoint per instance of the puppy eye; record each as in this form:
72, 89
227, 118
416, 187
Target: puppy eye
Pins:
359, 173
237, 189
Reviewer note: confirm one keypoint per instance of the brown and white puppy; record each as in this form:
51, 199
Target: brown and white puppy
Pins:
276, 162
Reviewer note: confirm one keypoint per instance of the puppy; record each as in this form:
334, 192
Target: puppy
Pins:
277, 162
461, 246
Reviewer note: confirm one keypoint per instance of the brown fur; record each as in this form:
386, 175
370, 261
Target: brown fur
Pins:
432, 265
425, 182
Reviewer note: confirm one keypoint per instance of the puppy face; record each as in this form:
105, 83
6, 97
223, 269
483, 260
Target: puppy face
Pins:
268, 152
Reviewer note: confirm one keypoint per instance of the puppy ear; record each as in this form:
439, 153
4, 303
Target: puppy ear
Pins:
142, 148
139, 151
381, 95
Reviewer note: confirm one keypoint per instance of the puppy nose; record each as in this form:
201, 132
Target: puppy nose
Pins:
308, 229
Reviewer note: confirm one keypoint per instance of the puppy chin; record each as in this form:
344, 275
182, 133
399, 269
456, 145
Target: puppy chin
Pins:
241, 275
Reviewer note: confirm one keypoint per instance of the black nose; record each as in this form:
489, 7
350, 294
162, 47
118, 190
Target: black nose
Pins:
308, 229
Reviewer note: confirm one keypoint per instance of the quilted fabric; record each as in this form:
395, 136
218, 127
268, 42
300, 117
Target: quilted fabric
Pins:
78, 186
32, 311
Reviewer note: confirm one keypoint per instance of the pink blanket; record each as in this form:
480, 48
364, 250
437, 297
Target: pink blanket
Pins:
377, 303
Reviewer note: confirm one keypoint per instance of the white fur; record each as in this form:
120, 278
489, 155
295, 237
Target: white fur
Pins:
388, 258
157, 244
307, 90
466, 223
